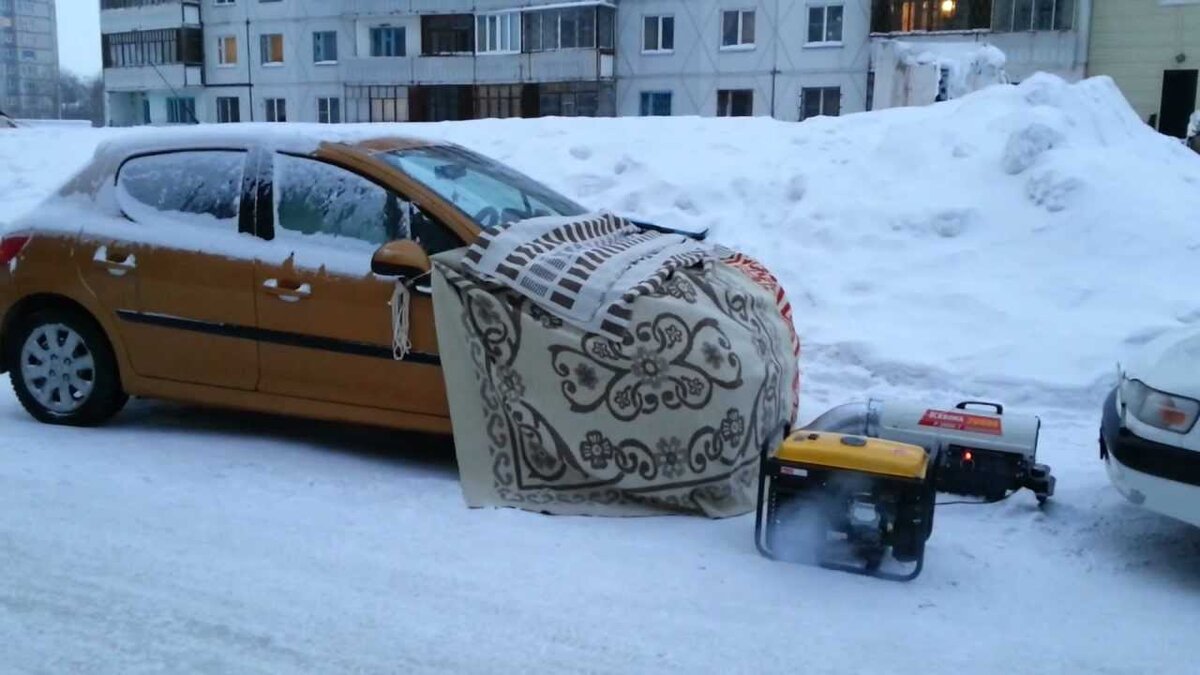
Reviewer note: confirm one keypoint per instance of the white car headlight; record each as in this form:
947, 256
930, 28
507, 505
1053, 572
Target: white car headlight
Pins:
1159, 409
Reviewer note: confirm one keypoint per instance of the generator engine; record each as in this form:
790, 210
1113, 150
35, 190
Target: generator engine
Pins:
846, 502
982, 452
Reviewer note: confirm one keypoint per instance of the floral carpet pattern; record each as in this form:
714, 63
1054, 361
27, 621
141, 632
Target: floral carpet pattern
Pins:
671, 418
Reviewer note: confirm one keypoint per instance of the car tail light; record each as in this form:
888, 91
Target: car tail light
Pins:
10, 246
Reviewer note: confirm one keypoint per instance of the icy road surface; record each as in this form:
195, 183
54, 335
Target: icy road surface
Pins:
181, 540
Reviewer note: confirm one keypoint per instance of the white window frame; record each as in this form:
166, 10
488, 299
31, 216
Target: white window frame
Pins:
491, 43
223, 107
652, 93
403, 32
659, 18
336, 47
824, 7
221, 62
271, 105
262, 54
822, 112
224, 3
739, 45
332, 108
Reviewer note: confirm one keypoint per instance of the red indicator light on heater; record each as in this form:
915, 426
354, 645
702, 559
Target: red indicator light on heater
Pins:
968, 456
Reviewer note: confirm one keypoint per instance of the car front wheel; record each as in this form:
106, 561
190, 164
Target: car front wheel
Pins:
64, 370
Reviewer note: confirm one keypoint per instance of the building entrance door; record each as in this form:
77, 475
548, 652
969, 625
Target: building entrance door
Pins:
1178, 102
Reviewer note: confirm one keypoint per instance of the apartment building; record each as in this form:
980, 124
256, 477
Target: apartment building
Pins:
28, 59
179, 61
1151, 48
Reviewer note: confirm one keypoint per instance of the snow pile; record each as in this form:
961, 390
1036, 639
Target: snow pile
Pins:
1007, 244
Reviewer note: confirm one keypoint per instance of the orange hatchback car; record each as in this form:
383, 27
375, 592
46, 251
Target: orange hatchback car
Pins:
248, 268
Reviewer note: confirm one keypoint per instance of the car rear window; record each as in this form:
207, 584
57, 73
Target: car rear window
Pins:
202, 187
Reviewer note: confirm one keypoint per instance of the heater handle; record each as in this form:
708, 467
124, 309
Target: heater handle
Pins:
996, 406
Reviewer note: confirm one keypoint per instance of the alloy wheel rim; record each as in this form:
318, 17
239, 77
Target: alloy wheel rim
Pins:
58, 368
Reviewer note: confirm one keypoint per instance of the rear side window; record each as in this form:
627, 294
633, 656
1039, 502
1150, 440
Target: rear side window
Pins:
201, 187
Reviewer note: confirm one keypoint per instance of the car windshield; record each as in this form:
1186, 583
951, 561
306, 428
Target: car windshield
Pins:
488, 192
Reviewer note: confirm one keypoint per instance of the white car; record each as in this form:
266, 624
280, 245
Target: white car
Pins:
1149, 438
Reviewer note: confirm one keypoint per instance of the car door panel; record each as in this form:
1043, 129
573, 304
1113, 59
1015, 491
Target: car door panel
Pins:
334, 343
324, 319
184, 304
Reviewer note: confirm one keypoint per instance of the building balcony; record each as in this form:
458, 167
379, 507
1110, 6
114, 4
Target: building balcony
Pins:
568, 65
147, 78
121, 16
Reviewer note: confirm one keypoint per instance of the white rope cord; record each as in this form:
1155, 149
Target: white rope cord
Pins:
401, 343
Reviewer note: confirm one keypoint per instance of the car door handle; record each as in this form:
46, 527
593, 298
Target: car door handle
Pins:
117, 268
285, 293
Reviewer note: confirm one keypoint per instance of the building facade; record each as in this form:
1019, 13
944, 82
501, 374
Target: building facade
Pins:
28, 59
355, 60
789, 59
1151, 48
181, 61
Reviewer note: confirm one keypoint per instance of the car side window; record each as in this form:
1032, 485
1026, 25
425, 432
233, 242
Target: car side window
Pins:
317, 198
200, 187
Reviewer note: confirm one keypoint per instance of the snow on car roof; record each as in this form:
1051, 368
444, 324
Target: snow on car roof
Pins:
298, 138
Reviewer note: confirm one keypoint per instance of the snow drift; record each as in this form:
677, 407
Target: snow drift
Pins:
1007, 243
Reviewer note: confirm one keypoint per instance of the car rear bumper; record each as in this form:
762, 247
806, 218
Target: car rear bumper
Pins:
8, 295
1162, 478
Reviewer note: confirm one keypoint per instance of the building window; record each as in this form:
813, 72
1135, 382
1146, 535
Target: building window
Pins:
153, 47
499, 33
575, 99
276, 109
227, 52
658, 34
737, 29
181, 110
271, 48
388, 41
825, 24
906, 16
656, 104
376, 104
1024, 15
329, 110
502, 100
228, 109
735, 102
325, 47
447, 34
224, 2
817, 101
567, 28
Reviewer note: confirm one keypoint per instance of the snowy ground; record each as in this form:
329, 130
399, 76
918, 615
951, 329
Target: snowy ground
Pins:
179, 540
1007, 245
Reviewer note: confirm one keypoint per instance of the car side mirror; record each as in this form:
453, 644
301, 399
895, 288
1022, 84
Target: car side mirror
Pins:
401, 258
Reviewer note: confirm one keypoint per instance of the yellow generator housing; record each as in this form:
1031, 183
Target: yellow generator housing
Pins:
846, 502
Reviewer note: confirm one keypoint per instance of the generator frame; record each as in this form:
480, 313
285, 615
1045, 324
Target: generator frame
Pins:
923, 491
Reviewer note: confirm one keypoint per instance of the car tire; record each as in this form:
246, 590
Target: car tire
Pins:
63, 369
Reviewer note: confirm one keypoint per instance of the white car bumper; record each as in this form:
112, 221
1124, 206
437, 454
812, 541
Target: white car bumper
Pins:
1167, 478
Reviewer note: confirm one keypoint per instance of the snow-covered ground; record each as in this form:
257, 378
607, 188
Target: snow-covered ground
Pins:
1006, 245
